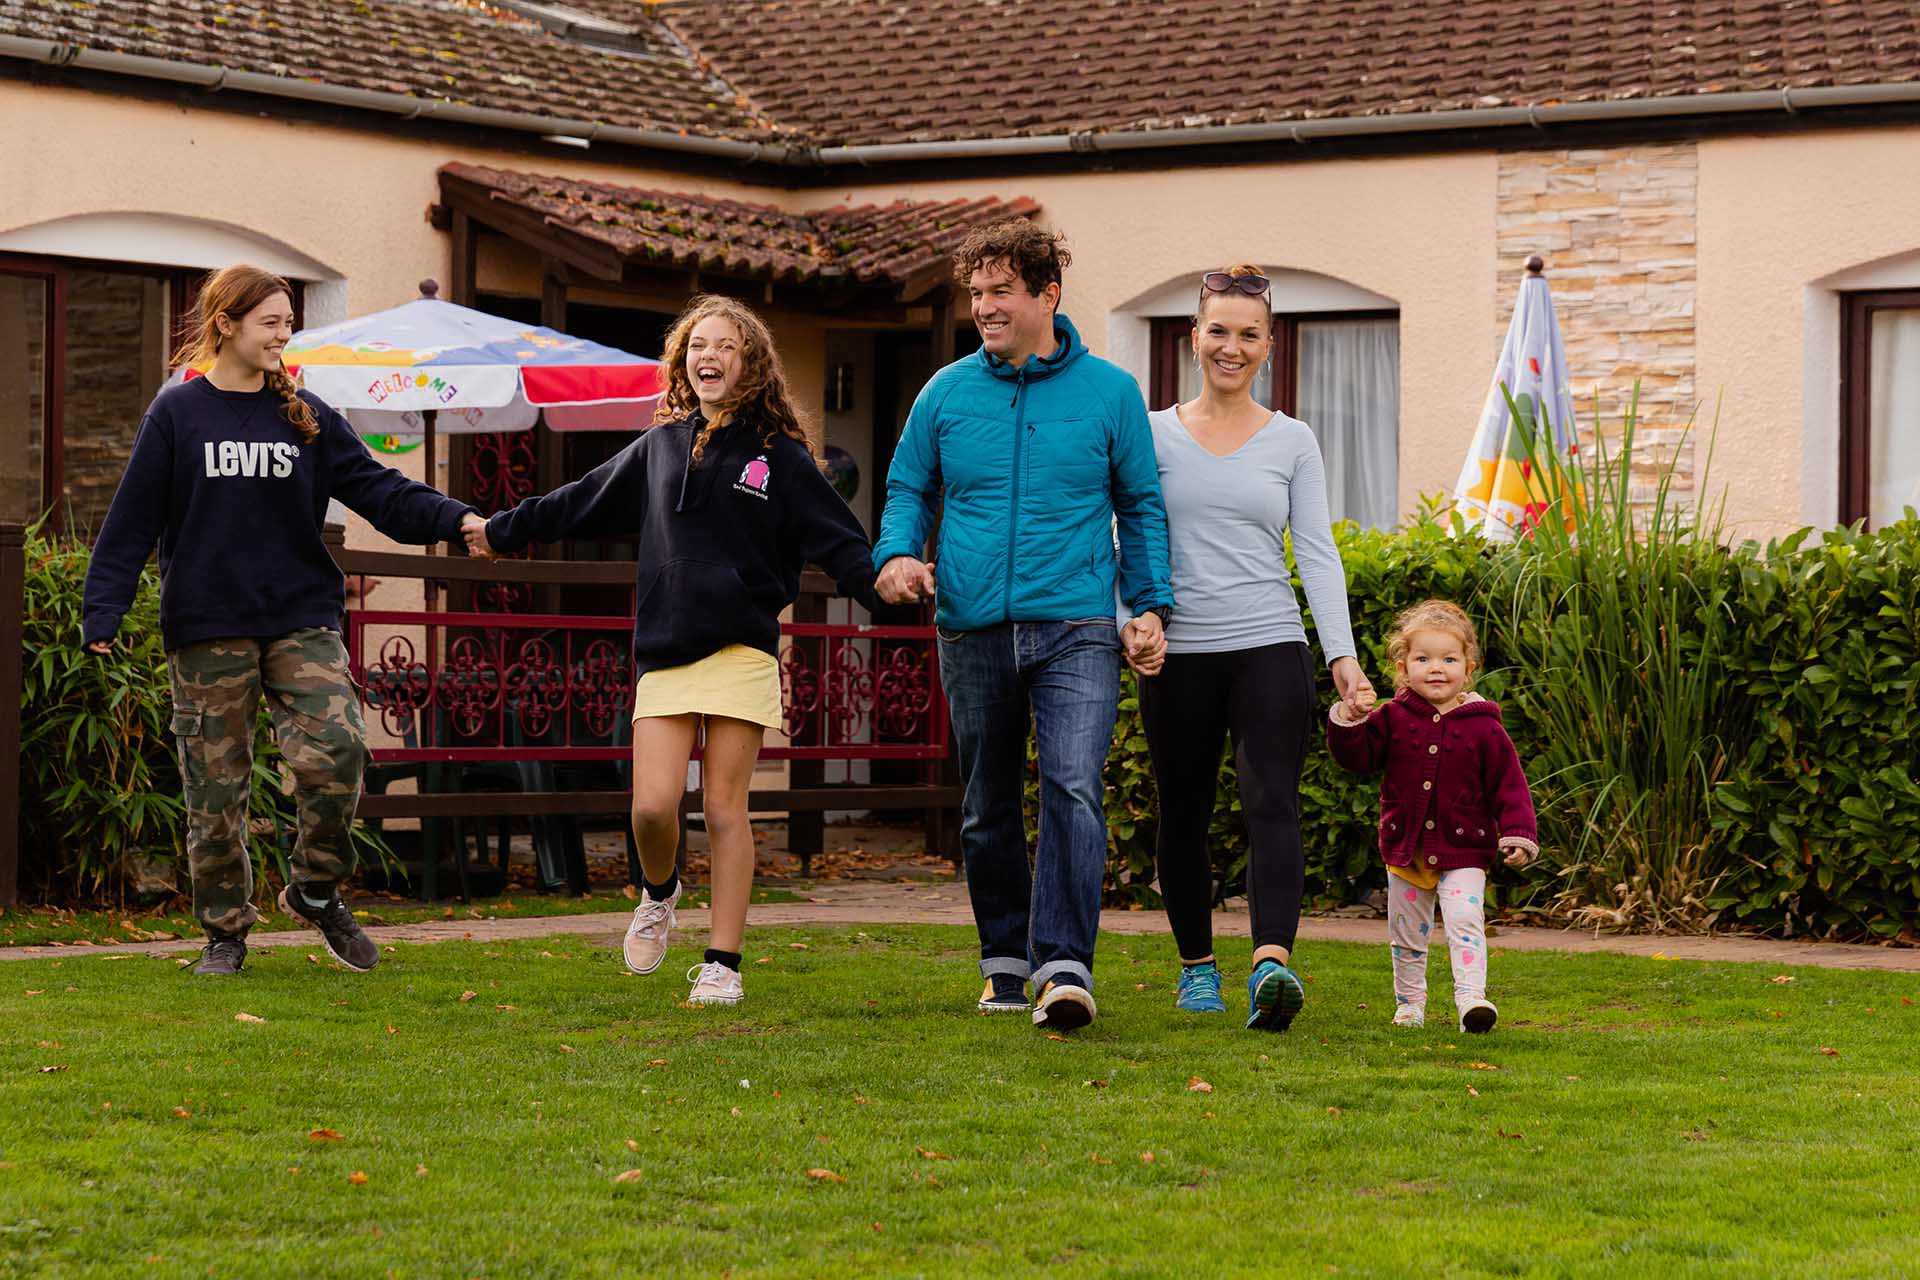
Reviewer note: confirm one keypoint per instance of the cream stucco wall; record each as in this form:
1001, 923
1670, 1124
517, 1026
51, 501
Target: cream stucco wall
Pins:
1418, 231
1784, 224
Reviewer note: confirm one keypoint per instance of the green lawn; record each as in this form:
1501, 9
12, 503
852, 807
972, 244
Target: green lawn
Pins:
1630, 1117
36, 926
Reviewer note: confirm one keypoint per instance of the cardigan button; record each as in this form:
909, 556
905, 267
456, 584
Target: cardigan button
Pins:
1426, 786
1436, 717
1429, 824
1459, 831
1434, 750
1432, 859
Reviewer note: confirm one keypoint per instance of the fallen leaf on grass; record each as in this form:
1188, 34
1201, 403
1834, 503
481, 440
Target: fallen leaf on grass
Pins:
1781, 979
1831, 1053
42, 991
1098, 1160
1504, 1134
862, 1099
632, 1145
504, 1008
1146, 1157
294, 1169
1096, 1084
764, 960
798, 946
1696, 1135
51, 1070
391, 1031
630, 891
878, 1227
656, 1062
467, 995
1206, 1115
824, 1175
247, 1017
566, 1048
1483, 1066
1472, 1092
1333, 1111
932, 1181
1055, 1035
419, 1171
1139, 986
357, 1178
1197, 1085
312, 958
183, 1113
447, 914
631, 1175
1904, 1000
325, 1135
733, 1111
925, 1154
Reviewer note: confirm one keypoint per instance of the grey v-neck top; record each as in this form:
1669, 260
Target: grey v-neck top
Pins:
1229, 517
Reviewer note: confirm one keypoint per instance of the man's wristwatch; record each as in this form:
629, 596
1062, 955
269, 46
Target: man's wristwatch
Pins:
1162, 612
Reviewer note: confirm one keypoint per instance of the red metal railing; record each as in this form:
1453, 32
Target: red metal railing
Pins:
559, 687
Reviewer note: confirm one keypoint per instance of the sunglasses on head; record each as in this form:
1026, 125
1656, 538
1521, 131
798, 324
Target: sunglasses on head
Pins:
1225, 282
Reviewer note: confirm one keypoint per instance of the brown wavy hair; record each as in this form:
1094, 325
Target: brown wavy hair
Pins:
761, 394
1433, 615
233, 292
1237, 270
1038, 256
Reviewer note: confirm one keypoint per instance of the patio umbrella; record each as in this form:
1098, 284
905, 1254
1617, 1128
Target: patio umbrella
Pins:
430, 366
1524, 454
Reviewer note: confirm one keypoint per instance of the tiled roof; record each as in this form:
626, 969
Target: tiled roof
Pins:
470, 53
861, 71
838, 72
904, 245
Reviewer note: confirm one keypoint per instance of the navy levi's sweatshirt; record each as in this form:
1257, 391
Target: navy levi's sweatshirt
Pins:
722, 541
236, 501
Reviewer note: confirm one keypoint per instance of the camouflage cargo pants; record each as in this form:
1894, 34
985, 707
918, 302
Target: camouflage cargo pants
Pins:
217, 685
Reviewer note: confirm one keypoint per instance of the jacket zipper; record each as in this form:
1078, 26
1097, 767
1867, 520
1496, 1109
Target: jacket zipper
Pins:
1013, 514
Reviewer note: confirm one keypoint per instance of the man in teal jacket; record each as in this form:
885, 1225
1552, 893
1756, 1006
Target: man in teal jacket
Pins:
1040, 453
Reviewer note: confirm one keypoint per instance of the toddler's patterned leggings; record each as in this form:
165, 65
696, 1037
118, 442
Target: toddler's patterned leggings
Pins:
1462, 895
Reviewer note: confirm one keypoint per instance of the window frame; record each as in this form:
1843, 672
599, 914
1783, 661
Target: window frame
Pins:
1167, 346
1856, 393
183, 289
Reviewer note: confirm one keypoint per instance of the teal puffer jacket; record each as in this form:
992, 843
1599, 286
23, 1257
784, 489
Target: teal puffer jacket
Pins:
1034, 465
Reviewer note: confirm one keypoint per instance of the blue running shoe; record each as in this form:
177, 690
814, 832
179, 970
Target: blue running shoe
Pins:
1274, 996
1200, 989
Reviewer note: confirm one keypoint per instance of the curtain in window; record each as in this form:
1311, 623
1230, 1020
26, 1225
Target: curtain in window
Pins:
1894, 404
1350, 395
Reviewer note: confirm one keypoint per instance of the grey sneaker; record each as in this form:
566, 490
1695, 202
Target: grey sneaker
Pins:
714, 983
1410, 1015
1063, 1006
342, 935
223, 955
647, 933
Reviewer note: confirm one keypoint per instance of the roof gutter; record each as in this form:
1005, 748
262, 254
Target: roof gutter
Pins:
1788, 100
214, 79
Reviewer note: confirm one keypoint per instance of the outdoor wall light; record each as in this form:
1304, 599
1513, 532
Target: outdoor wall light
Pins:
840, 388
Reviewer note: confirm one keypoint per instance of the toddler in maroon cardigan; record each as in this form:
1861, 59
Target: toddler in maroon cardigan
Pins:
1453, 797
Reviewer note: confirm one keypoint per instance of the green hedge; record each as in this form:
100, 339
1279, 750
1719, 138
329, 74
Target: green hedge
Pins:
1716, 735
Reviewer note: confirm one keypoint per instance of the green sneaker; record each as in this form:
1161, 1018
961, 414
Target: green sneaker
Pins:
1274, 996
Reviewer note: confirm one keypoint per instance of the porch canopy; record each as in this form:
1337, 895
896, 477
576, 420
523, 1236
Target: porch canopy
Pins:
865, 262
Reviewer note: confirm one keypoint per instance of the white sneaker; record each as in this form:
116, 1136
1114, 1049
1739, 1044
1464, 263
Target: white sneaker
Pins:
1062, 1006
1409, 1015
714, 983
647, 932
1478, 1016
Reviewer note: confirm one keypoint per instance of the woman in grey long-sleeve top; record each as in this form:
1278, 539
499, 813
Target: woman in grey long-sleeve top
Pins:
1237, 477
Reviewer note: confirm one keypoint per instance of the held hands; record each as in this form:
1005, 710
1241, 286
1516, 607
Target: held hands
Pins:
1145, 644
474, 529
904, 580
1356, 692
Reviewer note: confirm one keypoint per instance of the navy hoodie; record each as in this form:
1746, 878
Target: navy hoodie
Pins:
236, 501
722, 541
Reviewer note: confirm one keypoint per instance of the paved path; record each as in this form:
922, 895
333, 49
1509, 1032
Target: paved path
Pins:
943, 902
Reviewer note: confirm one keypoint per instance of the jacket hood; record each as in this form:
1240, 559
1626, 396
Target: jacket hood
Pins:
1474, 707
1037, 366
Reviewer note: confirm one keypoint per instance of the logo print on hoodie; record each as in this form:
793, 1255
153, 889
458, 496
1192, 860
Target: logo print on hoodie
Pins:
250, 458
754, 477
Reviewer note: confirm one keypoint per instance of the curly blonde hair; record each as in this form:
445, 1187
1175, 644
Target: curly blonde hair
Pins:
1432, 615
761, 394
233, 292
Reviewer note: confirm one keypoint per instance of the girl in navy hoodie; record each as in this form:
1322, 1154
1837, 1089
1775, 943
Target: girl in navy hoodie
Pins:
728, 502
231, 474
1454, 796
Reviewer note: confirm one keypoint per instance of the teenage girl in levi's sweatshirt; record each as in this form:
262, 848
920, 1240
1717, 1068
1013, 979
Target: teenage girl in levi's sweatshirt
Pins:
231, 474
728, 503
1453, 796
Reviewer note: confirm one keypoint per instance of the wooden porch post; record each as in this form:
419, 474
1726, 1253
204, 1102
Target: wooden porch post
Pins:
12, 624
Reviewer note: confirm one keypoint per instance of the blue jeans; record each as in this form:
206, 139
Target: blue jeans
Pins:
1065, 677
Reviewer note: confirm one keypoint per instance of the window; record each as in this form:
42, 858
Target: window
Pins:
1339, 372
84, 347
1879, 405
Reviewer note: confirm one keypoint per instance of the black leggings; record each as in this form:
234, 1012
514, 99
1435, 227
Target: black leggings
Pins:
1264, 697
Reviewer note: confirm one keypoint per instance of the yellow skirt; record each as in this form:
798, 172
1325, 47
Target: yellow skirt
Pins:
739, 682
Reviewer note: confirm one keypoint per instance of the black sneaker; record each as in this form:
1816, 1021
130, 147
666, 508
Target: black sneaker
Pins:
1004, 993
224, 955
345, 940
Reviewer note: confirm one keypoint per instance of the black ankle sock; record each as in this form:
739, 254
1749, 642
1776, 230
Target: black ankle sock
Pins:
661, 892
1008, 986
731, 959
1193, 964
